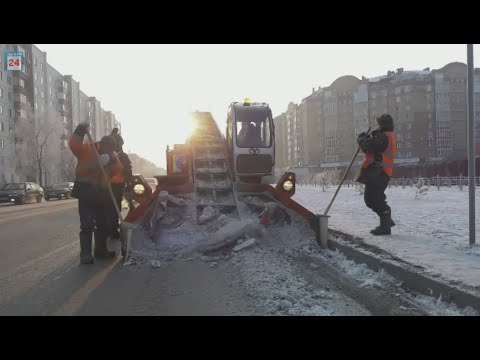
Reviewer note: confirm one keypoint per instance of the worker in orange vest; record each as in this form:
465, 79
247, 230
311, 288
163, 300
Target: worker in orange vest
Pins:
380, 148
91, 191
119, 179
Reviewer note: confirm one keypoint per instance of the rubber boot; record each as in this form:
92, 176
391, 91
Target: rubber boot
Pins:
86, 249
385, 226
101, 251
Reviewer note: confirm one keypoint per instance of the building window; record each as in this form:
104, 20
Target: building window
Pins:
35, 62
1, 126
50, 78
36, 105
1, 109
1, 75
9, 80
10, 129
41, 66
2, 144
409, 154
43, 94
21, 83
50, 91
409, 126
1, 93
23, 99
35, 76
10, 112
397, 99
9, 96
51, 103
41, 80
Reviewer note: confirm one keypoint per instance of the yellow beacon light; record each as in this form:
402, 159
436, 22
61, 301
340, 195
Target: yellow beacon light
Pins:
246, 102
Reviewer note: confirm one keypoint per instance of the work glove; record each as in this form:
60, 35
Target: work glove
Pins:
82, 129
108, 159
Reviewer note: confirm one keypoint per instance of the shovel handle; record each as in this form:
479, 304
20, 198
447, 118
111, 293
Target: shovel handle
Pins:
343, 178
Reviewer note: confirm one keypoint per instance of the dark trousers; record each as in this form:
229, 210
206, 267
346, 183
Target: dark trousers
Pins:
113, 216
93, 216
376, 199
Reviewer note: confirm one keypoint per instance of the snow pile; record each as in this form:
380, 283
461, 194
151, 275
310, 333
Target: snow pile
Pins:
370, 278
276, 284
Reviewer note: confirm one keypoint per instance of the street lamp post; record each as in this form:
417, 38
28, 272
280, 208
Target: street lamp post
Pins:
471, 144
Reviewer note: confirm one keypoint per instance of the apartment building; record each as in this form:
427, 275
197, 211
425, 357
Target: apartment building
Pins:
40, 102
429, 108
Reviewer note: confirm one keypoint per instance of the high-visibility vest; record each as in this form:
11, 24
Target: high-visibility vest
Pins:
88, 170
387, 156
118, 176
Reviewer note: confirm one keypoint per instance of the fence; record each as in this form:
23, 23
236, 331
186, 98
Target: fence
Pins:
437, 181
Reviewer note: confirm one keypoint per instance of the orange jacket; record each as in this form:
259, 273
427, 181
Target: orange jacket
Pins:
118, 176
387, 156
88, 169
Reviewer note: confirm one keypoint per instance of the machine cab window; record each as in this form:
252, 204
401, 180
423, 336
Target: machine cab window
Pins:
253, 127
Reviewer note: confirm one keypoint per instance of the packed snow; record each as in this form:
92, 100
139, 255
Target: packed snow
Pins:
431, 226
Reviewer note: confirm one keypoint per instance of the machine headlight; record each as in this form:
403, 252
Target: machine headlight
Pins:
139, 189
287, 185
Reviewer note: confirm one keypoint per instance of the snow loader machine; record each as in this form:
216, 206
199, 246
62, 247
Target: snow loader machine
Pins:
213, 178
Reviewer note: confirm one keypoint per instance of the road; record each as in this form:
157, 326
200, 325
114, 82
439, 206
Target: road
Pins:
40, 275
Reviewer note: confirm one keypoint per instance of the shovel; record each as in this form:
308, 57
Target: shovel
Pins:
126, 228
343, 178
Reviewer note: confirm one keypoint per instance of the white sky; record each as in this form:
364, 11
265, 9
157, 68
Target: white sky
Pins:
152, 88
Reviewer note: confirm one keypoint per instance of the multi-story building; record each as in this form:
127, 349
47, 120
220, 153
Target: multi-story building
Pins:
312, 127
338, 120
294, 136
37, 104
280, 122
7, 124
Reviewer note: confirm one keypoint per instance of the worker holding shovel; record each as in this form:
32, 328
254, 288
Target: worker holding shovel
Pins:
380, 148
91, 191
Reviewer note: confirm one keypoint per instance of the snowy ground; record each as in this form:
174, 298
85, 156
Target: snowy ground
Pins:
285, 273
431, 231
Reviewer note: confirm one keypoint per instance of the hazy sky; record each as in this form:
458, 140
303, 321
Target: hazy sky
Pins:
152, 88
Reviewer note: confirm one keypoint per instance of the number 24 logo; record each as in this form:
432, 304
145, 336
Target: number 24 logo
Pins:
13, 62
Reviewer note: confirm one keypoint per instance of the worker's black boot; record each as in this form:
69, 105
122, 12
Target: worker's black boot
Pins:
86, 249
385, 225
101, 251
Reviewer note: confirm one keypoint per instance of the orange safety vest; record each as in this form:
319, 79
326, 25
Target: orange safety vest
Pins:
118, 176
88, 170
387, 156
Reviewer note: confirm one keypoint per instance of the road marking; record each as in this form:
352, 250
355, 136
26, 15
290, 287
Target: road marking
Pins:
37, 260
34, 212
78, 299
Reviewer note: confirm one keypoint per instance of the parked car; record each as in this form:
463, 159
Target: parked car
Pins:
59, 191
21, 193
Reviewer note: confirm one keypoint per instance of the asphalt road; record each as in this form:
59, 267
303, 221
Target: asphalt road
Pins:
40, 275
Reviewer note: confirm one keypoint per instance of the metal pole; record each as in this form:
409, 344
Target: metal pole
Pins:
471, 143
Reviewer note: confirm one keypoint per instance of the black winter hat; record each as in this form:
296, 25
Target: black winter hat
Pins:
118, 138
385, 122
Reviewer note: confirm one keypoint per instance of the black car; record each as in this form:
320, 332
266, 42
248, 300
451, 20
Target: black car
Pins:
58, 191
21, 193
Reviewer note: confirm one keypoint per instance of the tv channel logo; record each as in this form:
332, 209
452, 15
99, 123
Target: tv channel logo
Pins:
14, 60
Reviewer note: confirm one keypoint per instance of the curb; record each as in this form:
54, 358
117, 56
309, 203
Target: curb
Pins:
413, 277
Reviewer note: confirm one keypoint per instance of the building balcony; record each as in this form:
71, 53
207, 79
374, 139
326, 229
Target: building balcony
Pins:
22, 75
